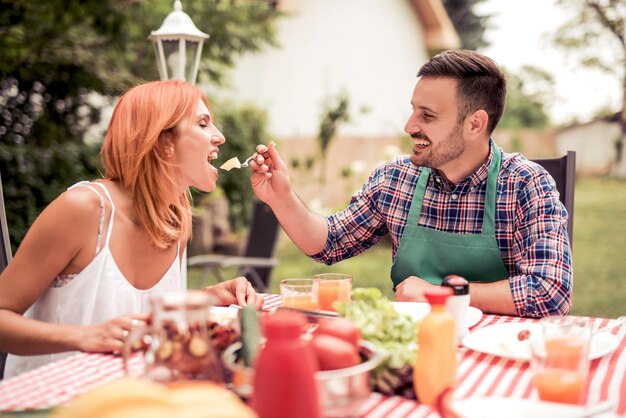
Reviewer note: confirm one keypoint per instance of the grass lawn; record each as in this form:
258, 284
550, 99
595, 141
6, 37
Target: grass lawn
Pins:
599, 248
599, 254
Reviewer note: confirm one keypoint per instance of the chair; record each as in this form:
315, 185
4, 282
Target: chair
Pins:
5, 256
5, 245
257, 261
563, 171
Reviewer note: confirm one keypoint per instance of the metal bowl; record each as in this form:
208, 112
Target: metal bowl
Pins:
342, 391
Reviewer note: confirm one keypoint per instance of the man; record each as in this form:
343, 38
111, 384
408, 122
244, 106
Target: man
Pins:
456, 205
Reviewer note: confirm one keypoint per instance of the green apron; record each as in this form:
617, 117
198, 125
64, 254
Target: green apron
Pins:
432, 255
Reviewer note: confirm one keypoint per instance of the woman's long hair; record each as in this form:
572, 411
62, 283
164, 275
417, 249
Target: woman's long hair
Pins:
134, 152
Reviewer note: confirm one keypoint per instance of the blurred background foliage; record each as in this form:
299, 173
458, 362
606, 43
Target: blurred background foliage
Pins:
244, 126
468, 23
59, 59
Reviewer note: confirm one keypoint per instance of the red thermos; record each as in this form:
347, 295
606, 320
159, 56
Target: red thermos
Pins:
284, 377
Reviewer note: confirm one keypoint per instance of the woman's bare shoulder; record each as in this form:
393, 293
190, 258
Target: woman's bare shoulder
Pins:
80, 200
75, 208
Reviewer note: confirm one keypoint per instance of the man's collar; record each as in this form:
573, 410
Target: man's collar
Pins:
475, 179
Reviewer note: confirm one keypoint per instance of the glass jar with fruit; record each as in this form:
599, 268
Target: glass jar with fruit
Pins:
177, 344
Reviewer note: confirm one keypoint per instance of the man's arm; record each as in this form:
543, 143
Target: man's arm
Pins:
271, 183
493, 298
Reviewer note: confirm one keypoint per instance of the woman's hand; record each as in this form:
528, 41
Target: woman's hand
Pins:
237, 291
109, 336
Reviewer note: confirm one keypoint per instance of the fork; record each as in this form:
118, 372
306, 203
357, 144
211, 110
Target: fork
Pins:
245, 163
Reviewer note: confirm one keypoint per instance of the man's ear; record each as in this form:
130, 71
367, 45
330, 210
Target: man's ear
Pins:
476, 124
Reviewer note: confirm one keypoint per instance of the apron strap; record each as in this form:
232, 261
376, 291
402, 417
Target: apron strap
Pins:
418, 197
489, 210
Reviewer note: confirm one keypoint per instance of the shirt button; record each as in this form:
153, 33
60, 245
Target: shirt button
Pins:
472, 188
454, 196
438, 180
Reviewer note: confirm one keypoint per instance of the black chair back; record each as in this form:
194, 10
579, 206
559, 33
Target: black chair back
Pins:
563, 170
261, 243
5, 245
256, 262
5, 256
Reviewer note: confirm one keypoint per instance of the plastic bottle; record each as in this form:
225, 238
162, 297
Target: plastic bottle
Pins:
458, 304
284, 378
435, 365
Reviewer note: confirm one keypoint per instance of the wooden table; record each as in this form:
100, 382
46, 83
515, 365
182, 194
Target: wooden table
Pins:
478, 375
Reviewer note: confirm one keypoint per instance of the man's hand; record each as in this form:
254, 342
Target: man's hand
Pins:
237, 291
270, 179
412, 289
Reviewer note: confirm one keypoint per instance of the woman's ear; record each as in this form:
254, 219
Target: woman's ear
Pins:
476, 124
166, 142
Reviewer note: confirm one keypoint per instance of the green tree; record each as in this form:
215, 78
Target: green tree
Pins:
529, 91
595, 23
335, 112
55, 55
470, 26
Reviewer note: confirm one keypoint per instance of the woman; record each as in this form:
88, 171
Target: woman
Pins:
89, 264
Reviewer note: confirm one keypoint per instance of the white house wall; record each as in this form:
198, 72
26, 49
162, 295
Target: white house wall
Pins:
371, 48
593, 143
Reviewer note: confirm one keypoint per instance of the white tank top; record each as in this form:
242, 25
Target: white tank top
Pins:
98, 293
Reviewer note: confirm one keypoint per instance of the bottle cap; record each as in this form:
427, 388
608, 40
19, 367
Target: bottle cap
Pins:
284, 325
437, 295
458, 284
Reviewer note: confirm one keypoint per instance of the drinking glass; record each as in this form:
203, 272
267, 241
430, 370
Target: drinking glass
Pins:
560, 358
299, 293
331, 288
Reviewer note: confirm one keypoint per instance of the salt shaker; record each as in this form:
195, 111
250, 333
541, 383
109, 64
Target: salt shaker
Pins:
458, 303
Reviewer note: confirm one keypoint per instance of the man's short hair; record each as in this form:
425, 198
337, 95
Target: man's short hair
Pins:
481, 84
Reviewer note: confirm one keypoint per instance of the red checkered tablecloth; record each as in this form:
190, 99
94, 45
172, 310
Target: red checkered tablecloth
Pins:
478, 374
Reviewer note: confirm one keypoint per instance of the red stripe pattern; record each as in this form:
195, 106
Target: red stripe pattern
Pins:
478, 375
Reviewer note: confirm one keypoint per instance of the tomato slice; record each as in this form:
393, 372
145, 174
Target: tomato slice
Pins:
334, 353
341, 328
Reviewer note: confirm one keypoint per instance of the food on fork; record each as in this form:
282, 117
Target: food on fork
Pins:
230, 164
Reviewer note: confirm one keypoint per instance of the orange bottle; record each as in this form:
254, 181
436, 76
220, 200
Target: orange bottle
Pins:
435, 366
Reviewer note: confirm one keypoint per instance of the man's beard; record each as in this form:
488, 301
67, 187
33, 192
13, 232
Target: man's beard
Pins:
445, 151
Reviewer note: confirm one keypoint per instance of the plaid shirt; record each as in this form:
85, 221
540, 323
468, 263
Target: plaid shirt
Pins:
530, 224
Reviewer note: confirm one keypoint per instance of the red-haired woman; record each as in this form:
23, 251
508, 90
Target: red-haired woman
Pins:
94, 257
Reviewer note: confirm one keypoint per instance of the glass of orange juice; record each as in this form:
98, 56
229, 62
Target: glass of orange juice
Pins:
299, 293
560, 357
331, 288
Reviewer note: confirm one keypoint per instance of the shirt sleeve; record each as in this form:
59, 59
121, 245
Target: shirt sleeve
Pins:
542, 284
359, 226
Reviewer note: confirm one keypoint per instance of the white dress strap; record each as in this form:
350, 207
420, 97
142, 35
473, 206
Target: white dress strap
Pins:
106, 191
87, 185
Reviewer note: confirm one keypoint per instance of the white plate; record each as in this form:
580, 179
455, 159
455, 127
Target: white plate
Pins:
223, 314
501, 340
418, 310
496, 407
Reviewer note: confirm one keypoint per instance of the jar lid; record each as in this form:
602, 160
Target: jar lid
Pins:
284, 325
437, 295
458, 284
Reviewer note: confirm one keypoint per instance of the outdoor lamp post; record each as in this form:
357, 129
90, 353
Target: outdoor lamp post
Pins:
178, 46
